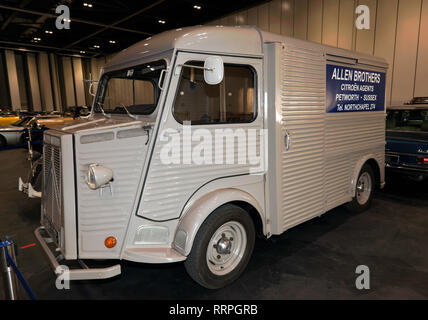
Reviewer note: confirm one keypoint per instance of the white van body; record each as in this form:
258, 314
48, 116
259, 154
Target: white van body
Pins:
311, 157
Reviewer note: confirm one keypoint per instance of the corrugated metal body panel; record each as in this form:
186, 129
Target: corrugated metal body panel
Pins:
105, 212
302, 110
337, 180
354, 132
169, 186
348, 138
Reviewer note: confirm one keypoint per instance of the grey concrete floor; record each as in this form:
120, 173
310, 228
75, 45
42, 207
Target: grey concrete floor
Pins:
316, 260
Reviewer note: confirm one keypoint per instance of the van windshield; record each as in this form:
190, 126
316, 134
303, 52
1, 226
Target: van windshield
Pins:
133, 89
407, 120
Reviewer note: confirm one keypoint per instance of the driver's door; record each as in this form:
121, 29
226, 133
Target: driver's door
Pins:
195, 108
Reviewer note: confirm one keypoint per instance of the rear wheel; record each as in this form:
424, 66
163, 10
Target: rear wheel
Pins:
222, 247
364, 190
3, 142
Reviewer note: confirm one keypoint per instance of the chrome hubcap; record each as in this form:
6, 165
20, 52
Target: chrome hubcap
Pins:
226, 248
224, 245
364, 188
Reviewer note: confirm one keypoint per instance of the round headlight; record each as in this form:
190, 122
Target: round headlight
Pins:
98, 176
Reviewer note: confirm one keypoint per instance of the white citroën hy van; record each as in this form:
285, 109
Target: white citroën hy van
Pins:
202, 138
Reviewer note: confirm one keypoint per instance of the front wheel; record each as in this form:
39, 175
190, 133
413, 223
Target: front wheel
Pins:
222, 247
364, 190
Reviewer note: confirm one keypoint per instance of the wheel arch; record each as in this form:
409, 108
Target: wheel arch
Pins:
374, 164
376, 170
195, 215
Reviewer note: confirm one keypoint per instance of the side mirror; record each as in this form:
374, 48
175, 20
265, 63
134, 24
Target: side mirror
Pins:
213, 70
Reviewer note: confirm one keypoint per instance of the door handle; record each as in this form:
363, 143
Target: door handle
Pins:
287, 140
161, 77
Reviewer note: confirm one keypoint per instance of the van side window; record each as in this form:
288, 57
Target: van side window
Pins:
231, 101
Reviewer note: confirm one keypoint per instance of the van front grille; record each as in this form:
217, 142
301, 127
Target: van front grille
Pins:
52, 189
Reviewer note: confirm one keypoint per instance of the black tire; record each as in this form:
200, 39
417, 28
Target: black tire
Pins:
196, 263
355, 205
3, 142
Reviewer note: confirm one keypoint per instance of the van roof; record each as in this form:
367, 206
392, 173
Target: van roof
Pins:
242, 40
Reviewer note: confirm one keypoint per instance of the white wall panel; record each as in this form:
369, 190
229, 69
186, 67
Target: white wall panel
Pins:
34, 82
386, 25
275, 16
45, 81
78, 82
241, 18
223, 21
315, 20
403, 80
365, 38
231, 20
301, 19
12, 75
346, 24
55, 81
330, 22
253, 16
421, 83
287, 17
263, 14
67, 70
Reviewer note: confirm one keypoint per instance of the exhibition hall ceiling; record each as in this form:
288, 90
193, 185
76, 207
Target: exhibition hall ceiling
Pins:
99, 27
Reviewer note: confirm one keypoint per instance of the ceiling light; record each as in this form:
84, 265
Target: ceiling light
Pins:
48, 31
162, 21
89, 5
96, 46
197, 7
37, 39
112, 41
82, 51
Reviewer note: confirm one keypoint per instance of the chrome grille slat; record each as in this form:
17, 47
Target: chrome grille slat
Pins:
52, 188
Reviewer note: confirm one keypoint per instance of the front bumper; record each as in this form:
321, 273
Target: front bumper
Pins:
84, 273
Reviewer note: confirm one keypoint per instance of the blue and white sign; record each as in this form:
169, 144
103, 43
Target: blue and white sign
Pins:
354, 90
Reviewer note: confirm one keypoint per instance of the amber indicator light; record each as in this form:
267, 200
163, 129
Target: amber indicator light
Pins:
110, 242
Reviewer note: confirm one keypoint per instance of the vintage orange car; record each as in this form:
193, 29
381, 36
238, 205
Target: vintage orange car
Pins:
6, 120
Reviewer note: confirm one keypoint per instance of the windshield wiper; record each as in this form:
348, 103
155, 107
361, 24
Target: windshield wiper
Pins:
127, 112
